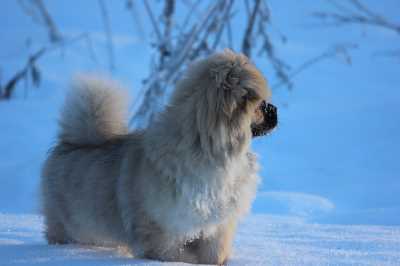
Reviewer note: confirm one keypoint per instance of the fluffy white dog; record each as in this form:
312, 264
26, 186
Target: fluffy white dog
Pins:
173, 191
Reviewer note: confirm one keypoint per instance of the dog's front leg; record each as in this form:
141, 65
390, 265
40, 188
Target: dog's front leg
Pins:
215, 249
157, 244
164, 249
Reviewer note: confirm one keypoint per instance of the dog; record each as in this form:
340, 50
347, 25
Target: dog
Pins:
173, 191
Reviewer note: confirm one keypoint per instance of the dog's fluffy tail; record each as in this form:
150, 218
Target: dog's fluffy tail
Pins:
94, 112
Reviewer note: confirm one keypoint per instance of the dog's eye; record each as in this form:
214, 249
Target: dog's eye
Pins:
250, 95
233, 78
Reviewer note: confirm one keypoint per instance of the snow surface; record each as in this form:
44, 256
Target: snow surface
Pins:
261, 240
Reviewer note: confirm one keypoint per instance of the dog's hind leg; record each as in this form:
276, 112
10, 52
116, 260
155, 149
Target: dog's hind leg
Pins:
55, 232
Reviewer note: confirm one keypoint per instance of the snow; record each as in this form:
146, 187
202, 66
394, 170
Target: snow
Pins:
261, 240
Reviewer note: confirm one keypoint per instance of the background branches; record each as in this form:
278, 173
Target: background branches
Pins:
200, 29
178, 43
355, 12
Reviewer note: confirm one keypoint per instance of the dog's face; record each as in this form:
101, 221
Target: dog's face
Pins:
245, 80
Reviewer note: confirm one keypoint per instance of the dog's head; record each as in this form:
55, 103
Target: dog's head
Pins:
229, 96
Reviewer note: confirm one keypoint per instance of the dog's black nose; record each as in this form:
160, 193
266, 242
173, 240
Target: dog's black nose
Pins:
270, 113
270, 109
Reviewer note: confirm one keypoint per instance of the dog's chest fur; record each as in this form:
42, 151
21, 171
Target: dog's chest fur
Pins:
196, 198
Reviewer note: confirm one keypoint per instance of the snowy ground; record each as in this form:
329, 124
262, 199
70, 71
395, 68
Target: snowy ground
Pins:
261, 240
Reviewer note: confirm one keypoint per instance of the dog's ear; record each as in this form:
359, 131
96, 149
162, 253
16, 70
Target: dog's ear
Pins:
229, 76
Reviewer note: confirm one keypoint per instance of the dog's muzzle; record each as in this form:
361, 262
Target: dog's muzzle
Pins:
270, 113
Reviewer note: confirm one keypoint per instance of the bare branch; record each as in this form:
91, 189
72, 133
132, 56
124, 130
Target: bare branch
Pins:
361, 7
361, 15
30, 69
165, 45
229, 33
107, 29
333, 52
153, 21
280, 67
31, 11
388, 53
225, 18
247, 7
37, 10
54, 34
246, 44
89, 46
340, 6
189, 15
130, 5
9, 87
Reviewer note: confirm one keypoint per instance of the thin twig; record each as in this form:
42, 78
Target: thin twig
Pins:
229, 33
153, 21
54, 34
107, 29
130, 5
362, 15
334, 51
165, 45
223, 20
30, 10
191, 12
39, 14
30, 66
246, 44
9, 87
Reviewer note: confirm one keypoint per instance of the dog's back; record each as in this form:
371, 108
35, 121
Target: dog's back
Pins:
84, 165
